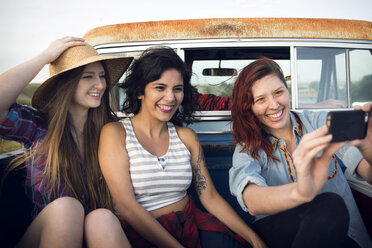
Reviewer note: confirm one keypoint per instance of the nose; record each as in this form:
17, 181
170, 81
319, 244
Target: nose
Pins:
273, 103
100, 83
169, 95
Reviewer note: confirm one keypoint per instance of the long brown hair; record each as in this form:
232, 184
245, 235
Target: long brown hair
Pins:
82, 180
248, 131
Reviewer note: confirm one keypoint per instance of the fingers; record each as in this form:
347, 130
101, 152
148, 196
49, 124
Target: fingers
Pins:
320, 132
313, 140
69, 38
57, 47
366, 143
311, 144
366, 107
69, 41
332, 148
312, 170
355, 142
72, 41
329, 151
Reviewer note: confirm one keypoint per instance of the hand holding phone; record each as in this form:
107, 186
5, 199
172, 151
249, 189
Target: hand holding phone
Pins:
365, 145
347, 124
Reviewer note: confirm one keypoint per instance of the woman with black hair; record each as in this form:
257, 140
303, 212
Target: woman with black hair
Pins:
149, 161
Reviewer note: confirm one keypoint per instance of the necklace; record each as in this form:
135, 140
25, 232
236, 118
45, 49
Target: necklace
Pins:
288, 156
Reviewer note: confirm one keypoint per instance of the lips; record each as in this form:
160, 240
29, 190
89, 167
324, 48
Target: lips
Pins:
277, 116
95, 94
166, 108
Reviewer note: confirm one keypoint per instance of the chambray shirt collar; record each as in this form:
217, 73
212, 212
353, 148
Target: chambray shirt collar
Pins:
295, 129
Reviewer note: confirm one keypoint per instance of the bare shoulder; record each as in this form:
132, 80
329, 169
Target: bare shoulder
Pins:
113, 130
188, 137
115, 126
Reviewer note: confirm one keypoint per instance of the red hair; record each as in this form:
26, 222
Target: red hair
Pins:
248, 131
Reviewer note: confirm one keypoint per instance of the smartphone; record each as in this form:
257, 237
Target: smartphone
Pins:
347, 124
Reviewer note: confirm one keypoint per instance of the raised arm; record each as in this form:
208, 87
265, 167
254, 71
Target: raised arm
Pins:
208, 195
13, 81
114, 163
312, 175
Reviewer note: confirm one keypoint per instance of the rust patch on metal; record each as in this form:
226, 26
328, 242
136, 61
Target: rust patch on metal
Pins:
231, 28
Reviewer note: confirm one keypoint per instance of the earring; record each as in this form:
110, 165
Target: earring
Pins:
180, 109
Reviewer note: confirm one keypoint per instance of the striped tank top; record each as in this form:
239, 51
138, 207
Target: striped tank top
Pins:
158, 181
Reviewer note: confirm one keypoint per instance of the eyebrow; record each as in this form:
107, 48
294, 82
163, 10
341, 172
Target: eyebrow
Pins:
256, 97
279, 88
163, 84
92, 72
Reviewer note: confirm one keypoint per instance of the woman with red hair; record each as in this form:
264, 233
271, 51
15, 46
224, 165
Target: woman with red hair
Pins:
299, 198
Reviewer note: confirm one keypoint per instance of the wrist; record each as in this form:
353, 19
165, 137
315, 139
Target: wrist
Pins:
303, 194
44, 57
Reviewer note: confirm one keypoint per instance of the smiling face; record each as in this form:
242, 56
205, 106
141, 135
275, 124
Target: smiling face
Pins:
163, 97
90, 88
271, 103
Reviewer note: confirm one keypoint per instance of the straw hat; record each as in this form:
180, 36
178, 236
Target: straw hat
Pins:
75, 57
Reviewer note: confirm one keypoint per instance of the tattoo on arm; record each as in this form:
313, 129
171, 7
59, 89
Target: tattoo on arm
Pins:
200, 182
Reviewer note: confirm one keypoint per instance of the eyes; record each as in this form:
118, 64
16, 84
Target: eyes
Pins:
178, 88
91, 76
262, 99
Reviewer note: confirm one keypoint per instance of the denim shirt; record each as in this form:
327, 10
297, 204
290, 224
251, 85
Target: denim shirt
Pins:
265, 172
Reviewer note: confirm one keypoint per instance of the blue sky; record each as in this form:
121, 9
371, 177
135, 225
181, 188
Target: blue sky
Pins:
28, 26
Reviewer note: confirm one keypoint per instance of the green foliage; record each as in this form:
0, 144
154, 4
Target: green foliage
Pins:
26, 94
314, 85
8, 146
24, 98
361, 91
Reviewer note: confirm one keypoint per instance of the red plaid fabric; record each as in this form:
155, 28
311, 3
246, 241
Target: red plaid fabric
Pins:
210, 102
26, 126
184, 226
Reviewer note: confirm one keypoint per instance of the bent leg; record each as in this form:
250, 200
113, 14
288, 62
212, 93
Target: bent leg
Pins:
216, 239
323, 222
103, 229
59, 224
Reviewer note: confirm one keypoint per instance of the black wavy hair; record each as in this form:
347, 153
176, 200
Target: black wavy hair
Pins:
149, 68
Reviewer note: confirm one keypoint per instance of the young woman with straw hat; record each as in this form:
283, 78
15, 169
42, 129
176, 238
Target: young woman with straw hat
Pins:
60, 135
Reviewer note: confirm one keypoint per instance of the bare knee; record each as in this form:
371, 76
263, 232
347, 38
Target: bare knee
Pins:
103, 229
66, 206
66, 214
59, 224
63, 212
101, 217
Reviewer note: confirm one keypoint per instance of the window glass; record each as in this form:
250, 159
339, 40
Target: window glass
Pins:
321, 77
361, 76
217, 85
223, 85
118, 92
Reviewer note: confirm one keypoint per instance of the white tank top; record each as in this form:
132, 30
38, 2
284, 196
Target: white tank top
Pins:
158, 181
